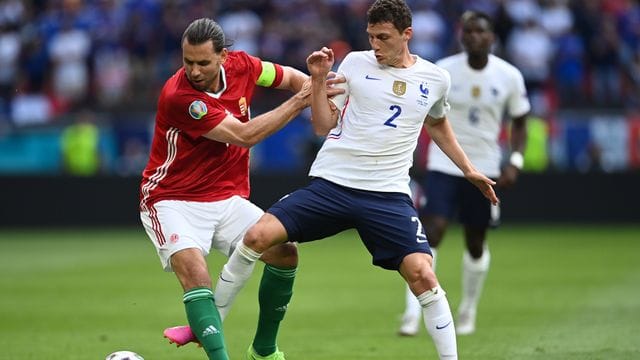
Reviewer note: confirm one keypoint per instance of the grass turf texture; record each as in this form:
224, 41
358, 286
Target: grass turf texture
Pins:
554, 292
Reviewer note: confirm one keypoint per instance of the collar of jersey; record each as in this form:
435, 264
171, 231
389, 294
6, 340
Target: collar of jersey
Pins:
217, 95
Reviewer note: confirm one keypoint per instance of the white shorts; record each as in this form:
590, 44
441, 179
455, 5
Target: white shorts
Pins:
174, 225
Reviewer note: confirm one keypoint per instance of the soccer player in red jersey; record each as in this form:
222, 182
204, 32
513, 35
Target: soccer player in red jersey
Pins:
195, 188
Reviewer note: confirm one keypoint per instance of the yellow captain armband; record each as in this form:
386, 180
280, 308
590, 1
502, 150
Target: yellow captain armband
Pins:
268, 74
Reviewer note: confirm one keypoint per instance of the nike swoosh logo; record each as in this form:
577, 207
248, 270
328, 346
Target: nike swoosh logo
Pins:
371, 78
421, 241
444, 326
225, 280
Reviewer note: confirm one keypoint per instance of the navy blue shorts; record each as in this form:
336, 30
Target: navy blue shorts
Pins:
448, 195
387, 223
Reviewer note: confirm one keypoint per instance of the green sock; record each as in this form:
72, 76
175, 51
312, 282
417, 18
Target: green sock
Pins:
276, 289
204, 321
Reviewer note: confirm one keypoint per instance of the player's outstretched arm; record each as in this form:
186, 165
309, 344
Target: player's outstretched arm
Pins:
442, 134
292, 79
324, 117
518, 138
247, 134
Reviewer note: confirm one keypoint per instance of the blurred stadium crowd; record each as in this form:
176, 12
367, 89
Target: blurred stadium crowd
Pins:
104, 61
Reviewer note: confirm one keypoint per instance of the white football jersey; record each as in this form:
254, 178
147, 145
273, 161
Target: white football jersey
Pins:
479, 100
382, 113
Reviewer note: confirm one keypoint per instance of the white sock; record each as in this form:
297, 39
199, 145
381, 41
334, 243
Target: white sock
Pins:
474, 272
412, 305
233, 276
439, 322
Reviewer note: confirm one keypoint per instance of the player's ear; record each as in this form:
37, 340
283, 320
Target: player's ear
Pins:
407, 34
223, 55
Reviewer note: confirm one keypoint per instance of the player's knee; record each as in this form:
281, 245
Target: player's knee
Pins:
253, 237
267, 232
417, 271
257, 238
424, 280
283, 256
424, 275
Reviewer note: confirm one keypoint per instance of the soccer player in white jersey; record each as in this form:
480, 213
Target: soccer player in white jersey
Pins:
483, 89
361, 173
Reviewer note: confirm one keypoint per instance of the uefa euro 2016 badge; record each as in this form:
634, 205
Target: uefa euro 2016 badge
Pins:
198, 109
399, 87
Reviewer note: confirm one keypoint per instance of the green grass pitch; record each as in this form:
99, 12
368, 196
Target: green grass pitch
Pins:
554, 292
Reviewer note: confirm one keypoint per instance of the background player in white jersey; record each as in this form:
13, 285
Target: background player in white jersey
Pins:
361, 173
483, 88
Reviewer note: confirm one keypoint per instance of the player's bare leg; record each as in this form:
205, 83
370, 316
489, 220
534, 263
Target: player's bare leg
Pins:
412, 316
241, 262
416, 270
265, 234
435, 227
191, 269
276, 289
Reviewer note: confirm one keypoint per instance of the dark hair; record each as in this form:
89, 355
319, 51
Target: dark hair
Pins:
202, 30
393, 11
472, 15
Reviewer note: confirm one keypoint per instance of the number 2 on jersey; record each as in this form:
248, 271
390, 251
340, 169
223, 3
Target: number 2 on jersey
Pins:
421, 237
473, 115
397, 110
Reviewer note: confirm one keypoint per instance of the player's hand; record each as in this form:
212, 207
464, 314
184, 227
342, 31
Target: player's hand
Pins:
304, 95
508, 177
333, 79
485, 185
319, 63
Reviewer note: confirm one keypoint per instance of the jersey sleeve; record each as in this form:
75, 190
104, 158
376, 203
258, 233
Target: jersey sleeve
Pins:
441, 107
265, 73
343, 70
193, 115
518, 102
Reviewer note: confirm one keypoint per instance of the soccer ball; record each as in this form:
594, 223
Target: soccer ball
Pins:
124, 355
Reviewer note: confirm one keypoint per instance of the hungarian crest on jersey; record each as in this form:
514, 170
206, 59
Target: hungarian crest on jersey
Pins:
242, 103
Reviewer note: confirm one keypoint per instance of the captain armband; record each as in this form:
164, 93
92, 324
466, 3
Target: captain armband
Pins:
268, 74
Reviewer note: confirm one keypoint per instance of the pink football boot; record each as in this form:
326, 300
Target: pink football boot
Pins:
180, 335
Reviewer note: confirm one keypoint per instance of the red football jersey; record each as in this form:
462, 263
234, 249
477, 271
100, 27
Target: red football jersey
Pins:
184, 165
